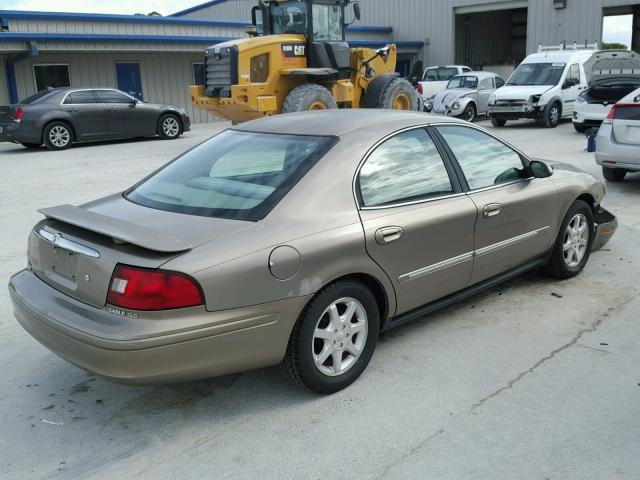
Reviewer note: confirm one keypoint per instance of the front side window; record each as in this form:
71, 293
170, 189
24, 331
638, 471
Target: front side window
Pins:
574, 74
290, 17
537, 74
327, 22
111, 96
463, 81
237, 175
51, 76
80, 97
405, 168
484, 160
486, 84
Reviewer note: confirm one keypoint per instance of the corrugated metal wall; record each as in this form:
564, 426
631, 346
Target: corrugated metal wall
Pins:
165, 76
4, 87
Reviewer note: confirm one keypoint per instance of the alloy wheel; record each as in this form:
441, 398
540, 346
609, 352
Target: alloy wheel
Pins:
554, 115
340, 336
576, 240
59, 136
170, 127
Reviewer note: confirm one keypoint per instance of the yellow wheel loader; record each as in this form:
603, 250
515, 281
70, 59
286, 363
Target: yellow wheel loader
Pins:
295, 59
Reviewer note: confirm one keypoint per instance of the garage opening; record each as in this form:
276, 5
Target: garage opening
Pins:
494, 40
621, 27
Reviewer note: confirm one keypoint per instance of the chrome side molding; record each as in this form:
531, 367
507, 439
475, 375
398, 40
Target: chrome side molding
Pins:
59, 241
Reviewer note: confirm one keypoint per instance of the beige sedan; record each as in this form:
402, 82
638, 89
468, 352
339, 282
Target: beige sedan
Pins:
296, 240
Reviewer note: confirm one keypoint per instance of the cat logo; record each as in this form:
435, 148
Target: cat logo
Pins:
292, 50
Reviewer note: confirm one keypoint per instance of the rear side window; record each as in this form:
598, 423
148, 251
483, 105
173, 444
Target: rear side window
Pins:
484, 160
40, 97
81, 97
111, 96
237, 175
405, 168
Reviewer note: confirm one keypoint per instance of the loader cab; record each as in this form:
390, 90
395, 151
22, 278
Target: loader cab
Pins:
322, 22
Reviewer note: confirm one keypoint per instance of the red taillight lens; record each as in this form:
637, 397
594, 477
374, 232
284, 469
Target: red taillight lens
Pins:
19, 114
420, 89
611, 115
143, 289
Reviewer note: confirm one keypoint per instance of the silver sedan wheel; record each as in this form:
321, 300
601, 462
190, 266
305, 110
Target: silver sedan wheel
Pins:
59, 136
576, 239
340, 336
170, 127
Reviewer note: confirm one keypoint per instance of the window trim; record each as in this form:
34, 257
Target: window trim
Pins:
463, 179
76, 91
93, 90
458, 188
33, 70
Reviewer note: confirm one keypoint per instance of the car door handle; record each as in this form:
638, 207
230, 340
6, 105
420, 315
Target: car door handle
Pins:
492, 210
387, 235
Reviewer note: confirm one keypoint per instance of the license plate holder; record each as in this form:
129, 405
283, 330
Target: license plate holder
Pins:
64, 263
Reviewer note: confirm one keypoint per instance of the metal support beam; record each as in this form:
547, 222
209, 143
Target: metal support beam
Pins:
635, 36
10, 62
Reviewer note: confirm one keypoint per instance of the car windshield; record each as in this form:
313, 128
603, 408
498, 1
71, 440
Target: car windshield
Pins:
237, 175
537, 74
463, 81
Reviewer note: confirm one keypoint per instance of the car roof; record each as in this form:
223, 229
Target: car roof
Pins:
339, 122
560, 56
478, 73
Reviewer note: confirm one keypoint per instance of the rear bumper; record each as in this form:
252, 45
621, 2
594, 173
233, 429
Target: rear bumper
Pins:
226, 342
612, 154
9, 132
606, 225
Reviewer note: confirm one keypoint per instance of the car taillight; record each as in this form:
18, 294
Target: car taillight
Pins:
144, 289
614, 112
17, 116
420, 89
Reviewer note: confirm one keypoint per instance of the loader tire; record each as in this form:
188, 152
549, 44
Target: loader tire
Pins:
389, 91
309, 97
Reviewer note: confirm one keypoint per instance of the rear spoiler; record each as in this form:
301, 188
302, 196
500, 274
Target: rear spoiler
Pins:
119, 230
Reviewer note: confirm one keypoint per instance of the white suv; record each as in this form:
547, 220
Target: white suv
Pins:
544, 87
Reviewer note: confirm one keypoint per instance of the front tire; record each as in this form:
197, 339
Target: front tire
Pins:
58, 136
309, 97
614, 174
169, 127
573, 244
334, 339
552, 115
390, 92
498, 122
469, 113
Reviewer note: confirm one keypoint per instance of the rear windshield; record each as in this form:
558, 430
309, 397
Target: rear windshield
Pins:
39, 97
439, 74
463, 81
537, 74
237, 175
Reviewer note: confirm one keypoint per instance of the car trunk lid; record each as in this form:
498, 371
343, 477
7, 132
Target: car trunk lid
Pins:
606, 65
626, 123
75, 249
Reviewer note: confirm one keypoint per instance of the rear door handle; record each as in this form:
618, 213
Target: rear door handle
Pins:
492, 210
387, 235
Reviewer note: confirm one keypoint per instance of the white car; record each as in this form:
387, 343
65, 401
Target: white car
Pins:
544, 87
611, 75
618, 140
435, 79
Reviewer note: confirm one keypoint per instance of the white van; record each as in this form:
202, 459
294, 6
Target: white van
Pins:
544, 87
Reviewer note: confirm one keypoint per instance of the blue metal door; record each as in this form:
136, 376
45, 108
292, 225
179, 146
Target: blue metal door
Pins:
128, 77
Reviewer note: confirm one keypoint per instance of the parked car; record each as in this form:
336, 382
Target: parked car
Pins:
435, 79
60, 117
611, 75
236, 256
544, 87
618, 139
467, 95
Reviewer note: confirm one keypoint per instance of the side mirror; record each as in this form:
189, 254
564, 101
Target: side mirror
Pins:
539, 169
356, 10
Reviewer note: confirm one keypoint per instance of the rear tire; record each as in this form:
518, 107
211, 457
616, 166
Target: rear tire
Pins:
169, 126
614, 174
389, 92
58, 135
573, 244
321, 340
498, 122
309, 97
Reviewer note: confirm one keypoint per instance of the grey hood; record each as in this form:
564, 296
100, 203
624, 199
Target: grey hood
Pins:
606, 65
447, 97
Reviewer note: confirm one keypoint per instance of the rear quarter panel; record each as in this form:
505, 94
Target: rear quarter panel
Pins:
573, 183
